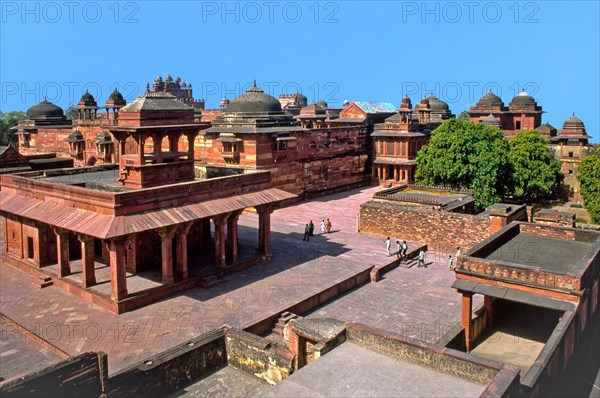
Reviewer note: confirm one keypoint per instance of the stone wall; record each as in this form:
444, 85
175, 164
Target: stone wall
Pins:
172, 369
256, 355
84, 375
502, 380
416, 223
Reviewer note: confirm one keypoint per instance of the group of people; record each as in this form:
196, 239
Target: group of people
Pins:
402, 249
309, 229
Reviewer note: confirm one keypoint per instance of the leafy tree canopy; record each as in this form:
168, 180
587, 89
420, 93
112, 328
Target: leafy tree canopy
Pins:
589, 179
9, 120
462, 154
535, 173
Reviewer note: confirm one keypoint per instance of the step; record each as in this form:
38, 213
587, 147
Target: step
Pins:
210, 281
42, 282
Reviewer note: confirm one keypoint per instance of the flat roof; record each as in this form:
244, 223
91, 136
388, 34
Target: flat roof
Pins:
551, 254
351, 370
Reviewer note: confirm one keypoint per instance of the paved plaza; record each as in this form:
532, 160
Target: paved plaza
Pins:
415, 301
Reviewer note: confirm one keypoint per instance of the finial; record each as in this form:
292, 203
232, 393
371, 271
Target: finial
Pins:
147, 87
254, 83
573, 113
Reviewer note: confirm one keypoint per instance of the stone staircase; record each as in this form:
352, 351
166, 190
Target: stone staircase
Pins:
277, 334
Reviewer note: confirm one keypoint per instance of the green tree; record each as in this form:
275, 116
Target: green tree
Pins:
7, 121
589, 180
71, 112
535, 173
462, 154
464, 116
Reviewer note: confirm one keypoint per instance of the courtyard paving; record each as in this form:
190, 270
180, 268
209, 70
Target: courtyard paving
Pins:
416, 296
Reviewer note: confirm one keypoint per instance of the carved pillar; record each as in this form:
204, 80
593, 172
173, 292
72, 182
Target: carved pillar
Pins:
166, 240
131, 247
232, 236
157, 143
118, 277
88, 268
467, 308
191, 138
182, 257
141, 144
205, 230
220, 222
264, 229
62, 249
488, 302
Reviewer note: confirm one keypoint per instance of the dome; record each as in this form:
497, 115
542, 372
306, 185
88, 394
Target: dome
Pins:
406, 103
437, 104
87, 99
322, 104
158, 79
254, 101
522, 100
574, 123
116, 98
489, 100
169, 78
346, 103
43, 110
224, 101
490, 120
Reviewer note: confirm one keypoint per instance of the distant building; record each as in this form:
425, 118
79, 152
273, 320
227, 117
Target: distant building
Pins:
310, 153
568, 145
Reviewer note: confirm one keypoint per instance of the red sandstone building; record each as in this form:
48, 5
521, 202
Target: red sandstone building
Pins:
124, 235
306, 154
568, 145
399, 138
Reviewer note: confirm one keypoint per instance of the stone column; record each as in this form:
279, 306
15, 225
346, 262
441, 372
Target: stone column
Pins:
467, 308
88, 268
118, 277
141, 143
62, 248
166, 240
157, 142
190, 138
488, 302
182, 257
220, 222
232, 236
205, 230
131, 247
395, 173
264, 229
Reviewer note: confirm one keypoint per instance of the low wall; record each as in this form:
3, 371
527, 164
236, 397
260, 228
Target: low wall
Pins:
502, 380
80, 376
256, 355
422, 224
172, 369
263, 326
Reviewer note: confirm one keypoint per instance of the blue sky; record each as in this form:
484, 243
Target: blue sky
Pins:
332, 50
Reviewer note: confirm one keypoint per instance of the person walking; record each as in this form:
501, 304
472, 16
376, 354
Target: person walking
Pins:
322, 226
388, 246
306, 233
404, 250
398, 249
451, 264
328, 226
311, 228
421, 259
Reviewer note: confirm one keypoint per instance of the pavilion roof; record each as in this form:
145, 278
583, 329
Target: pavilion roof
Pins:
103, 226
